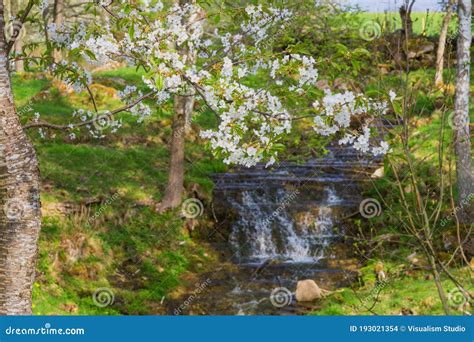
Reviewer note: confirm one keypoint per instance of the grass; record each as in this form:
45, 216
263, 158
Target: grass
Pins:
428, 24
404, 291
129, 249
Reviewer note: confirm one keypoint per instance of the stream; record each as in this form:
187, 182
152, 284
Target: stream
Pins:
278, 226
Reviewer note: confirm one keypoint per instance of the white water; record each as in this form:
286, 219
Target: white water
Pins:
267, 229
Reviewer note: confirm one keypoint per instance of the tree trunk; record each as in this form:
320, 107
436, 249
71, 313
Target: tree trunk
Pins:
20, 217
19, 63
442, 43
58, 20
183, 106
11, 10
405, 16
462, 142
183, 109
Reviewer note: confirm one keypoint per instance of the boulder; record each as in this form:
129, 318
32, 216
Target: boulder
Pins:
307, 291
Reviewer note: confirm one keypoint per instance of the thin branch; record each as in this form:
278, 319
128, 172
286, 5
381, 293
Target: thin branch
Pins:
22, 20
88, 122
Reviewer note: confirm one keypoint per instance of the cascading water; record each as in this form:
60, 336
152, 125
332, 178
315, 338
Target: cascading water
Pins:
268, 227
277, 226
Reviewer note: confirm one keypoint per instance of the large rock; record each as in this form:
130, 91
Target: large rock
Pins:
307, 291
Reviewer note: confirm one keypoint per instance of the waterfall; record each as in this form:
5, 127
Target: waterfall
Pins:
270, 226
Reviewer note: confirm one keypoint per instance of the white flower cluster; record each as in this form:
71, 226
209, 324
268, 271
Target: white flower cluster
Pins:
73, 74
251, 121
181, 58
336, 113
261, 21
103, 48
129, 95
43, 5
97, 122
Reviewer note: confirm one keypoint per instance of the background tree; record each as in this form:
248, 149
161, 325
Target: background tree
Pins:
465, 180
443, 34
58, 15
12, 9
405, 16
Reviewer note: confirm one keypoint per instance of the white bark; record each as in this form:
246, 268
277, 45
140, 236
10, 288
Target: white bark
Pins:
462, 140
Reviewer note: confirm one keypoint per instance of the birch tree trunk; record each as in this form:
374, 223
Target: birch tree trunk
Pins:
442, 43
20, 218
183, 108
462, 142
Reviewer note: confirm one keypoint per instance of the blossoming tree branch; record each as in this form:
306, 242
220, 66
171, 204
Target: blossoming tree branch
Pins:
182, 56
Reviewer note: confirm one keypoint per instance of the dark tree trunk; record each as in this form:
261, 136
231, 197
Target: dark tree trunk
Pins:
405, 16
20, 217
